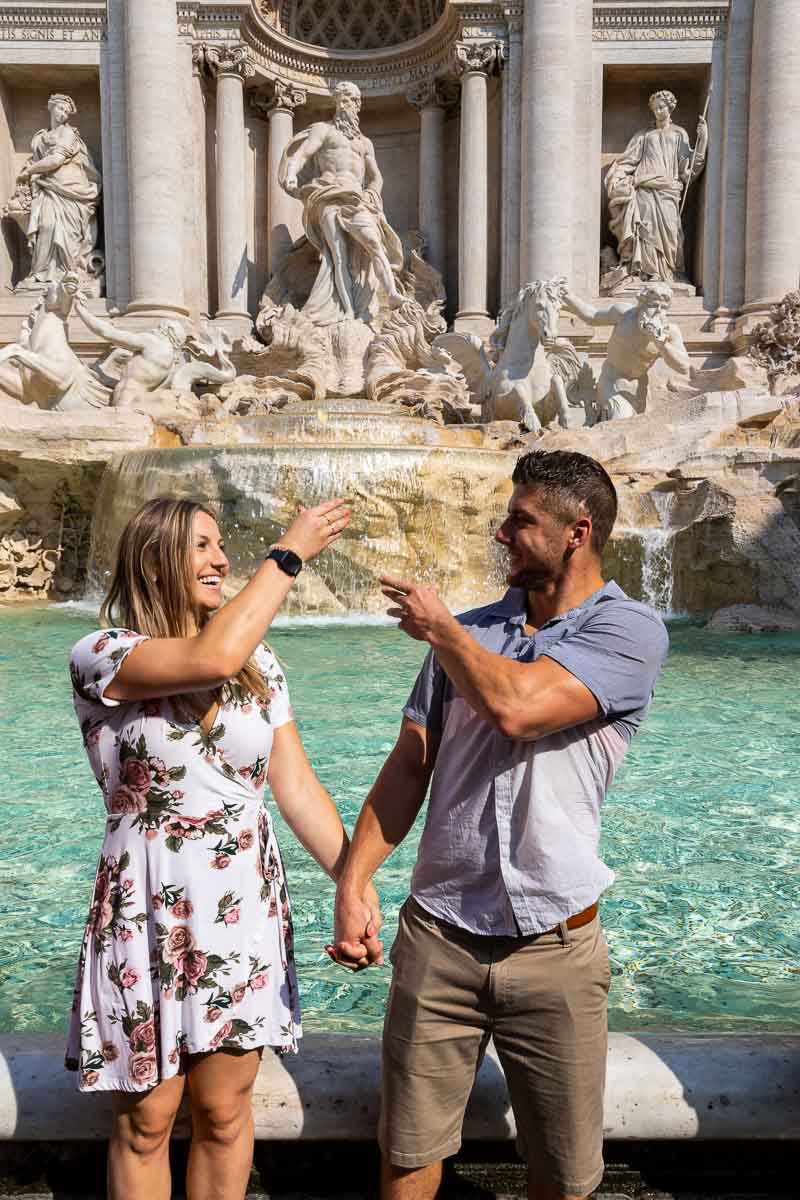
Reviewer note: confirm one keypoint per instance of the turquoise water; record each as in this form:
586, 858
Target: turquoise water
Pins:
701, 827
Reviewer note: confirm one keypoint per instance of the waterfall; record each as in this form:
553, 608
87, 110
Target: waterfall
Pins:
418, 511
657, 547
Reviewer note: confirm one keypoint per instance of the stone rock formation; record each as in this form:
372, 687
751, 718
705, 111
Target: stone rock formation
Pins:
645, 188
55, 201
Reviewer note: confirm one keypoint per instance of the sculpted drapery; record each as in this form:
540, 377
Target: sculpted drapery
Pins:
645, 187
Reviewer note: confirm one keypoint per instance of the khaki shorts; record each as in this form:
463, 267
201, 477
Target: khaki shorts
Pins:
542, 999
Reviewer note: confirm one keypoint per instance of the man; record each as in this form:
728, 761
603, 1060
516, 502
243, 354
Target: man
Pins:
521, 714
343, 214
642, 334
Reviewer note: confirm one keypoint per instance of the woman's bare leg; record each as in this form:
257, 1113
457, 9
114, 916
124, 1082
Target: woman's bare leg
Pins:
138, 1153
221, 1154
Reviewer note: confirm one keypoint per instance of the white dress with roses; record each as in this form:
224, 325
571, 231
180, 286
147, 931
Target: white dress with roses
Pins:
188, 946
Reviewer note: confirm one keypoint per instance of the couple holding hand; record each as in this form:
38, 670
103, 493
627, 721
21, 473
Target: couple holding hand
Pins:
520, 716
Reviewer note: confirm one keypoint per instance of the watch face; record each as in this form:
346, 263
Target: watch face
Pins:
287, 560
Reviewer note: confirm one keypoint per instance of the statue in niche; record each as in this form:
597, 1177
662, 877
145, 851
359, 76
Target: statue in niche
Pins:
41, 368
167, 357
645, 188
56, 197
530, 374
642, 334
331, 167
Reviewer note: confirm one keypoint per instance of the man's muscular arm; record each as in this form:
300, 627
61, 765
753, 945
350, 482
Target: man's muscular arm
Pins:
388, 813
594, 316
303, 154
524, 701
107, 330
373, 180
674, 351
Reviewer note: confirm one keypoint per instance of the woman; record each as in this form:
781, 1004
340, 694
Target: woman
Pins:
645, 186
65, 189
186, 970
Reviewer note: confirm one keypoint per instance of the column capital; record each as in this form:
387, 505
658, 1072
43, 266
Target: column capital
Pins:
484, 58
282, 96
432, 93
224, 60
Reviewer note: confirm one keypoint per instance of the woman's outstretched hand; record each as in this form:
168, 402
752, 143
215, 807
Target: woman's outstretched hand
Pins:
314, 529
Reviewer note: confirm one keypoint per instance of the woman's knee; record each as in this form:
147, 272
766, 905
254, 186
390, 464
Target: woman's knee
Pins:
222, 1120
145, 1134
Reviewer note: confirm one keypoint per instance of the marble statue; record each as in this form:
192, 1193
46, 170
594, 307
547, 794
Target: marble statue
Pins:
41, 368
331, 167
642, 334
530, 374
56, 198
167, 357
775, 343
645, 187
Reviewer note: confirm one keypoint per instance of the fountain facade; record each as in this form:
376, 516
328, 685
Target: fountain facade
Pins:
303, 250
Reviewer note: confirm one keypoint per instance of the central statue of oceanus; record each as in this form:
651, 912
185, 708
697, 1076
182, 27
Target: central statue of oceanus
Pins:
332, 168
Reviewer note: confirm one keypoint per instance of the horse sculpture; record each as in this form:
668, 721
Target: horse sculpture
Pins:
530, 374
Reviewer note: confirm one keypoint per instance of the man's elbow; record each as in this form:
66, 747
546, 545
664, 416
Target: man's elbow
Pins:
515, 724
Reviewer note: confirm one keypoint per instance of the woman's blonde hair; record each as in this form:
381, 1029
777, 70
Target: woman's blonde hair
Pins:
151, 588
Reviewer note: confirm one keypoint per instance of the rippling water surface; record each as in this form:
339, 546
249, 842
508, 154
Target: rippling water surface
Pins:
701, 827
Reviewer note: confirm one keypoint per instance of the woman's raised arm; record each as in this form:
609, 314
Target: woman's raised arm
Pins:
166, 666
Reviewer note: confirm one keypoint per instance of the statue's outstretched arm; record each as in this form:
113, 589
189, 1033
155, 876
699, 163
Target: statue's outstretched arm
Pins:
108, 331
673, 350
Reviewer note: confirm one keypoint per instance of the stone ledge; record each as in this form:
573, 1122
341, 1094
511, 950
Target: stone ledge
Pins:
660, 1087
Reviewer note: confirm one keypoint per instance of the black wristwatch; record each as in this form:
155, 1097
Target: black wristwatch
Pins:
289, 562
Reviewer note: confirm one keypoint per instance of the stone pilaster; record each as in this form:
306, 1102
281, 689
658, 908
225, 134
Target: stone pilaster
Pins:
285, 212
155, 205
512, 157
231, 66
584, 275
733, 217
548, 140
773, 172
473, 62
429, 100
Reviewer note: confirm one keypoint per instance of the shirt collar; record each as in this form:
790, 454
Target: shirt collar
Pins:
512, 605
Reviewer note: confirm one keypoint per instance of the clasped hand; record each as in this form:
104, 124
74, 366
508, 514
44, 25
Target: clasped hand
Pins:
356, 924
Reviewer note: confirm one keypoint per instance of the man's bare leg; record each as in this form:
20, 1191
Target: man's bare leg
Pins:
415, 1183
380, 264
341, 274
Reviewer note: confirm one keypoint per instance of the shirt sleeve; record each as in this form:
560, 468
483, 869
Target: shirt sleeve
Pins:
617, 654
96, 659
425, 705
279, 711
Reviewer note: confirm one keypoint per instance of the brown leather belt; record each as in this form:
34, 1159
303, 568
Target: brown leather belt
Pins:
581, 918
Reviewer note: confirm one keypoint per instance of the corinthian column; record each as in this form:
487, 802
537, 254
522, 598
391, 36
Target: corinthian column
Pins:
150, 52
285, 212
231, 66
773, 173
512, 149
548, 139
474, 60
427, 98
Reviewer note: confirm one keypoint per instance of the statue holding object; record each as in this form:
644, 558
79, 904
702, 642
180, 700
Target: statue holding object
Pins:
55, 201
646, 188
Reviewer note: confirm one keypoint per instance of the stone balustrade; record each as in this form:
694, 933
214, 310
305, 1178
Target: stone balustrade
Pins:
659, 1087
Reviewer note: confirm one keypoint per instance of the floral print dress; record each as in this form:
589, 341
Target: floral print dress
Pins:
188, 946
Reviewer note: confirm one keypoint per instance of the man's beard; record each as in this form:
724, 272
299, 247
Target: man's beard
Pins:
346, 121
653, 325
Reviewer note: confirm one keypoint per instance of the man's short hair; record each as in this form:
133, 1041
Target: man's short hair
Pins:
568, 480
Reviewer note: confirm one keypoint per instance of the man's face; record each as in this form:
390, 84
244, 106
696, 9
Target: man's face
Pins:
652, 315
349, 107
535, 541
